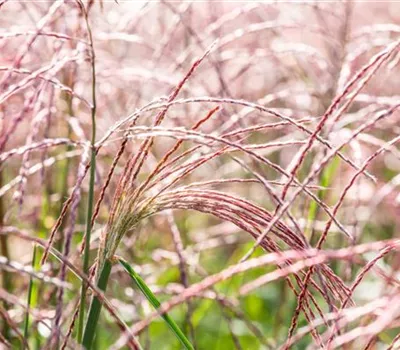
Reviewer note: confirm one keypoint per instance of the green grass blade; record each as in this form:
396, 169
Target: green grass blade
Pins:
87, 245
326, 180
32, 291
156, 304
91, 184
95, 307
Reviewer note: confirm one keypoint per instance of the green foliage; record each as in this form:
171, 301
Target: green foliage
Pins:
140, 283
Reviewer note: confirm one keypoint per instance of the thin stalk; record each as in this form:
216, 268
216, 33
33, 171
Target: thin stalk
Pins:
91, 187
35, 286
95, 307
64, 172
325, 181
6, 275
32, 292
141, 284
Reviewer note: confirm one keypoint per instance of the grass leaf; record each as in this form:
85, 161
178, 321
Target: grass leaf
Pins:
32, 291
140, 283
95, 307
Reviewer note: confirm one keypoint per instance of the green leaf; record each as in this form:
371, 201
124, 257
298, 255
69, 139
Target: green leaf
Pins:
95, 307
32, 292
156, 304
